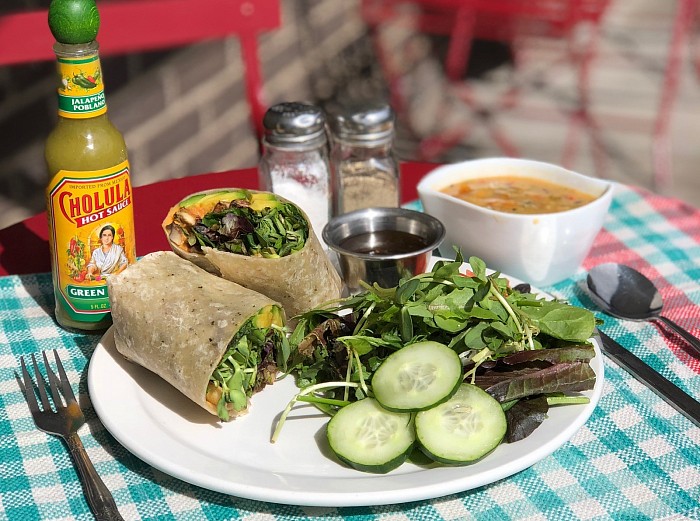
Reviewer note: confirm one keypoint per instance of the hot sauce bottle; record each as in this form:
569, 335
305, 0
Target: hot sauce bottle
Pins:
89, 194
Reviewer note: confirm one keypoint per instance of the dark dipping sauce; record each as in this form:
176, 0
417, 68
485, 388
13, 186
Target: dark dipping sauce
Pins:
384, 242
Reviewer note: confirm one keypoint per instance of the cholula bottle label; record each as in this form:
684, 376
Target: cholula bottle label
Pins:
81, 91
92, 237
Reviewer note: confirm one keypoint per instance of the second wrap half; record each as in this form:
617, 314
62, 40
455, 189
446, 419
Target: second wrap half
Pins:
301, 277
216, 342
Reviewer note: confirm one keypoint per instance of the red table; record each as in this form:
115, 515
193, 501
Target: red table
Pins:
24, 246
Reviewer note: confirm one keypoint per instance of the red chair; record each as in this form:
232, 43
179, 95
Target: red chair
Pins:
129, 26
463, 21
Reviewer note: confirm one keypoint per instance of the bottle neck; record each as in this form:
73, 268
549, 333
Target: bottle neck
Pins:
81, 89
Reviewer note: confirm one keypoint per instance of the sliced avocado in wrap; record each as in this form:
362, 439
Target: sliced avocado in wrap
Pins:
215, 341
257, 239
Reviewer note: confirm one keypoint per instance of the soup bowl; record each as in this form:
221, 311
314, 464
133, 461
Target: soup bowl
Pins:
540, 248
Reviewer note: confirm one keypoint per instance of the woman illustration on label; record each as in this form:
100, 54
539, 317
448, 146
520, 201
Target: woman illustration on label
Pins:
108, 258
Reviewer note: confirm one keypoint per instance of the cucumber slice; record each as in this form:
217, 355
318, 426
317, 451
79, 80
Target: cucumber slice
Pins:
370, 438
463, 429
417, 377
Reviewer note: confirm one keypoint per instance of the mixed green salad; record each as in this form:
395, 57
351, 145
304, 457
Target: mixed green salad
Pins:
451, 363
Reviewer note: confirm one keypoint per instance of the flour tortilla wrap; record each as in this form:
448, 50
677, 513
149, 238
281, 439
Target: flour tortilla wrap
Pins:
301, 281
178, 321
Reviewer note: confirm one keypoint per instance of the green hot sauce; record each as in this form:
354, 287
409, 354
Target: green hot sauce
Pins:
89, 194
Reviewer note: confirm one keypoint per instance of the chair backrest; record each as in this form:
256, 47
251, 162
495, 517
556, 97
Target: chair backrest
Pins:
129, 26
499, 20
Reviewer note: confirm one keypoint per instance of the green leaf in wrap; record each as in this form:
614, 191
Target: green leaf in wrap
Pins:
251, 362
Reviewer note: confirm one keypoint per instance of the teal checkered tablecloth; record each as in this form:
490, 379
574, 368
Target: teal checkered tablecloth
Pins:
635, 458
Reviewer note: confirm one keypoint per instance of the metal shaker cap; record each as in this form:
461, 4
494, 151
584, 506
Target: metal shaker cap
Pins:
294, 123
368, 122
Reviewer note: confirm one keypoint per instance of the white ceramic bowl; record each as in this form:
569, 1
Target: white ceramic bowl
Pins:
538, 248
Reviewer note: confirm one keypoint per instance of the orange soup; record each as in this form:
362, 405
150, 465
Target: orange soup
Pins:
518, 194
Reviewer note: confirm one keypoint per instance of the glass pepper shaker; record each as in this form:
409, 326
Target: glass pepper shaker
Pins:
365, 166
295, 161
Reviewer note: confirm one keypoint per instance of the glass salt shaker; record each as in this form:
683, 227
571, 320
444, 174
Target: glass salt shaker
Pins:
295, 162
365, 166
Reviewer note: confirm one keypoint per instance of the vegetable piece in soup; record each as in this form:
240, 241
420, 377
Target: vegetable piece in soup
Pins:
518, 194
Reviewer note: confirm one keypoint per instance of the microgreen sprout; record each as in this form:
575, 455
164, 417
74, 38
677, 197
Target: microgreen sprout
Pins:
303, 395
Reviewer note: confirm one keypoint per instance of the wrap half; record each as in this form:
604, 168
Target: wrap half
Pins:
213, 340
257, 239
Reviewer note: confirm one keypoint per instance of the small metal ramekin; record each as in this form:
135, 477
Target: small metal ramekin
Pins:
386, 269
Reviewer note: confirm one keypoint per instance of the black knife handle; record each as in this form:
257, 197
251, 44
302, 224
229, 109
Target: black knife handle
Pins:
669, 392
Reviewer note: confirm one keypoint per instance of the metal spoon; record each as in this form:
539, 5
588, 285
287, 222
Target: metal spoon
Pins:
625, 293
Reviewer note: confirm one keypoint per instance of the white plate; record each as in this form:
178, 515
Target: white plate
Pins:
168, 431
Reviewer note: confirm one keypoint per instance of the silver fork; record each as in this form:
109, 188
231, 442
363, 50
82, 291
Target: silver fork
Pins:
65, 422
